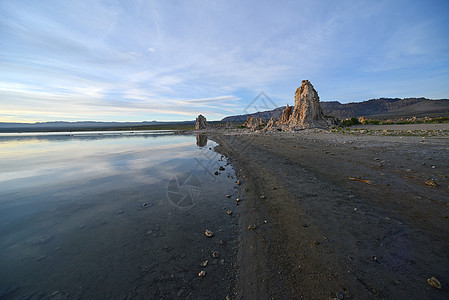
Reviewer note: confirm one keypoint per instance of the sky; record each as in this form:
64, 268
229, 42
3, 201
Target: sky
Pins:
136, 60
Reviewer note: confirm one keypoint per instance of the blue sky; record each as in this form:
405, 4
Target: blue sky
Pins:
172, 60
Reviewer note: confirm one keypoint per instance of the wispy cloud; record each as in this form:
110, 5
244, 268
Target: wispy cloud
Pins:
141, 60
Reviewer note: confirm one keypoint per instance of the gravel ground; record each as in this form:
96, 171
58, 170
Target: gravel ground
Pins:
341, 215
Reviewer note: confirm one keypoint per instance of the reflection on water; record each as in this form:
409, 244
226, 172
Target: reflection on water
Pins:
201, 140
81, 213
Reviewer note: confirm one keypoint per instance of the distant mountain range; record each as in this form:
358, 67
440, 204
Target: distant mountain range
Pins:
382, 108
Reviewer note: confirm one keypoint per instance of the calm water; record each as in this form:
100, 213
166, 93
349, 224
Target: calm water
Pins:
114, 216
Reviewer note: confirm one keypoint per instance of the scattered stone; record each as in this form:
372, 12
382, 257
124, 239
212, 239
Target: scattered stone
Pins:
305, 225
209, 233
252, 227
245, 190
238, 182
202, 274
147, 204
228, 196
431, 182
237, 200
215, 254
435, 283
204, 263
221, 168
374, 258
362, 180
229, 212
216, 173
263, 197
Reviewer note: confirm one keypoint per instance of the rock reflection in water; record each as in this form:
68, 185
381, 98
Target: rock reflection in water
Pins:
133, 206
201, 140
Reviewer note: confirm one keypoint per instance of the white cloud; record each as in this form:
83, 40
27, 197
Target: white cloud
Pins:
147, 59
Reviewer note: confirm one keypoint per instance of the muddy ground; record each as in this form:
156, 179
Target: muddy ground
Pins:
341, 215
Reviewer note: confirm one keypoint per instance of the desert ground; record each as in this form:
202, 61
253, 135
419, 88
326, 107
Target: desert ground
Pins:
361, 213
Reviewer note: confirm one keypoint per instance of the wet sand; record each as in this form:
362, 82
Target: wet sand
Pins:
322, 233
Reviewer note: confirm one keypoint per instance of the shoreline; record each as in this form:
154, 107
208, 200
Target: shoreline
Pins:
344, 216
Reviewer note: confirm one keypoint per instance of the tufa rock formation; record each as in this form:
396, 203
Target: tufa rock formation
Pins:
200, 123
306, 113
253, 123
286, 115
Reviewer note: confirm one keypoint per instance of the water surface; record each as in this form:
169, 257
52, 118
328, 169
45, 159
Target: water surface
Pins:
114, 215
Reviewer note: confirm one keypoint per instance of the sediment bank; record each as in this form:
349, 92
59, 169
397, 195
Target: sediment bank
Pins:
330, 215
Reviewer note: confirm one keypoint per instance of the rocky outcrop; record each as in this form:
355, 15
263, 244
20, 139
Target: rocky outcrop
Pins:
271, 124
253, 123
200, 123
286, 114
306, 113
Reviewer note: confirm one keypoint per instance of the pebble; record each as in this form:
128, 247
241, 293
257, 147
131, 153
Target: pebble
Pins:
263, 197
202, 274
209, 233
434, 282
431, 182
229, 212
251, 227
228, 196
204, 263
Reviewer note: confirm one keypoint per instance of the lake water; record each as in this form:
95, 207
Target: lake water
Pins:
114, 215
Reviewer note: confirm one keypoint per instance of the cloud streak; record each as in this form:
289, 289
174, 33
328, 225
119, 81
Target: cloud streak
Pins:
145, 60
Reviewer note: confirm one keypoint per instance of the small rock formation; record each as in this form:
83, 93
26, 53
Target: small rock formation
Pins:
253, 123
306, 113
200, 123
271, 124
286, 115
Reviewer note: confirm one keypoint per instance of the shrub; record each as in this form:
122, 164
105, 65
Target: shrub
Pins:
350, 122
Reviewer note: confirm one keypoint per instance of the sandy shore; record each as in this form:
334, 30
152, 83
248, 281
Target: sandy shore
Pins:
338, 215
